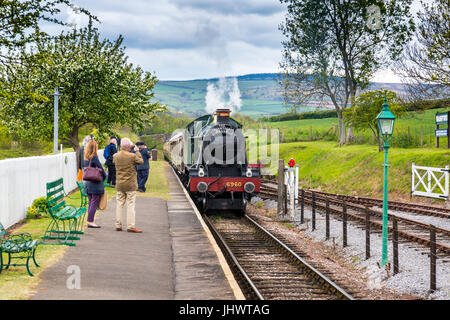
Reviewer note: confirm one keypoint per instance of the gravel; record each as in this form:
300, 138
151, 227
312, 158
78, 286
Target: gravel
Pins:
436, 221
414, 264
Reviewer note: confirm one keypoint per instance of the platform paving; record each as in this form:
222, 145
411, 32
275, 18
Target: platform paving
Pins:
198, 274
171, 259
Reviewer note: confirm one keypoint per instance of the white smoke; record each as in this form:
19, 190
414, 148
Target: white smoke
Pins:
224, 94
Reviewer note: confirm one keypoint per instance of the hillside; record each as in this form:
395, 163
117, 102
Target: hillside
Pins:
260, 95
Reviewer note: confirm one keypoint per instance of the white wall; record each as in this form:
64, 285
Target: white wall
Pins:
24, 179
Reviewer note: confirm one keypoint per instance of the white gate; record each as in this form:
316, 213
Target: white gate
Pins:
430, 182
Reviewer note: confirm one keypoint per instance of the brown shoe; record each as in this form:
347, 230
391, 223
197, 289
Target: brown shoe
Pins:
118, 229
134, 230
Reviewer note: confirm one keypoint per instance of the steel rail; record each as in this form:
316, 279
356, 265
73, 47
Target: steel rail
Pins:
361, 208
254, 292
406, 235
401, 206
312, 272
305, 265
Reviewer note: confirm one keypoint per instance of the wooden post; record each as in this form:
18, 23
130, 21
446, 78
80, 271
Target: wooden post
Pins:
409, 135
437, 138
280, 185
327, 220
283, 134
421, 136
285, 195
344, 225
367, 234
313, 215
395, 243
310, 133
302, 210
448, 130
432, 258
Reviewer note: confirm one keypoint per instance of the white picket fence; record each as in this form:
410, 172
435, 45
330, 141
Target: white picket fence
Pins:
24, 179
430, 182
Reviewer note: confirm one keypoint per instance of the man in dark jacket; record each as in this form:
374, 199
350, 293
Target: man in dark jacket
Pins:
111, 149
143, 169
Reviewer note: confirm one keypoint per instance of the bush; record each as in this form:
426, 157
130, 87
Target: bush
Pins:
299, 116
38, 208
427, 104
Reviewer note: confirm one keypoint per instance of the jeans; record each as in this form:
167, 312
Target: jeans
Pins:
111, 175
142, 176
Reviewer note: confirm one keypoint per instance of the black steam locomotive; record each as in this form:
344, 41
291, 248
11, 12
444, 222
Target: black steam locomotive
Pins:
210, 158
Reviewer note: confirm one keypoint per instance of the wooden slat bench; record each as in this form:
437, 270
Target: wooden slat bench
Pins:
66, 220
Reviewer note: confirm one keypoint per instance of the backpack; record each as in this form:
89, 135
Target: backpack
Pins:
106, 152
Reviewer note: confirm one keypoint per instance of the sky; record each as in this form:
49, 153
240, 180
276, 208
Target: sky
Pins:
193, 39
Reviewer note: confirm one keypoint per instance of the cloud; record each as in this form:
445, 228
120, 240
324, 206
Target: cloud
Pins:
188, 39
185, 64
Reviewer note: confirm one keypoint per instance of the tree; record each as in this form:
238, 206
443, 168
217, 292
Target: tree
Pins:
20, 28
367, 106
426, 62
295, 93
99, 87
340, 44
19, 22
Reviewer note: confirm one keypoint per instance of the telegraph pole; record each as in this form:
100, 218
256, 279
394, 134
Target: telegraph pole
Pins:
55, 120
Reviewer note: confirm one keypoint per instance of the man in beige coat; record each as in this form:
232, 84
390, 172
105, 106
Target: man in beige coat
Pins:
126, 184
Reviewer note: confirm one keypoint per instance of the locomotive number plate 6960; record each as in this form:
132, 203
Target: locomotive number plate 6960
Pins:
233, 184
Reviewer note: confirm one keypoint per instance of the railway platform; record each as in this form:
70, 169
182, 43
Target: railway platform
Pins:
173, 259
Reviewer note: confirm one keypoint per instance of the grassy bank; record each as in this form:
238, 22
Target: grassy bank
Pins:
357, 169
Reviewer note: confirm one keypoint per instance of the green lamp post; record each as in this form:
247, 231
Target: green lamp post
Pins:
385, 121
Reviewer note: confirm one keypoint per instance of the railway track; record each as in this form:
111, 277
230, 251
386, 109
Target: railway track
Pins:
265, 267
408, 229
372, 202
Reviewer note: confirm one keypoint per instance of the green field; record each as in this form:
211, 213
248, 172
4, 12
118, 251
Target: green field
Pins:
322, 129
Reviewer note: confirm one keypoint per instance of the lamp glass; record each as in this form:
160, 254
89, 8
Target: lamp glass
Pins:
386, 126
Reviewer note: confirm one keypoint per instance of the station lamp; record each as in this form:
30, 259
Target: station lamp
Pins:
386, 120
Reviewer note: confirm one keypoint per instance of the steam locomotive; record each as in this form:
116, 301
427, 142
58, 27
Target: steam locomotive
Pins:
210, 158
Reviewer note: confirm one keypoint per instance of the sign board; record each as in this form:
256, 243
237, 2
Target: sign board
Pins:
441, 132
441, 118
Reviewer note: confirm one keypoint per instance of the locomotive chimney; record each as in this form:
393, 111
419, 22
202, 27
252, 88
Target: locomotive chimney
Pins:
223, 116
223, 113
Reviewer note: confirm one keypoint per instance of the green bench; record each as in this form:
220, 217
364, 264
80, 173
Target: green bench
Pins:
17, 246
83, 194
66, 220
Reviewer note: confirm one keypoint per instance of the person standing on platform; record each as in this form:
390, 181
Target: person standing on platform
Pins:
81, 157
126, 183
109, 152
143, 169
94, 189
